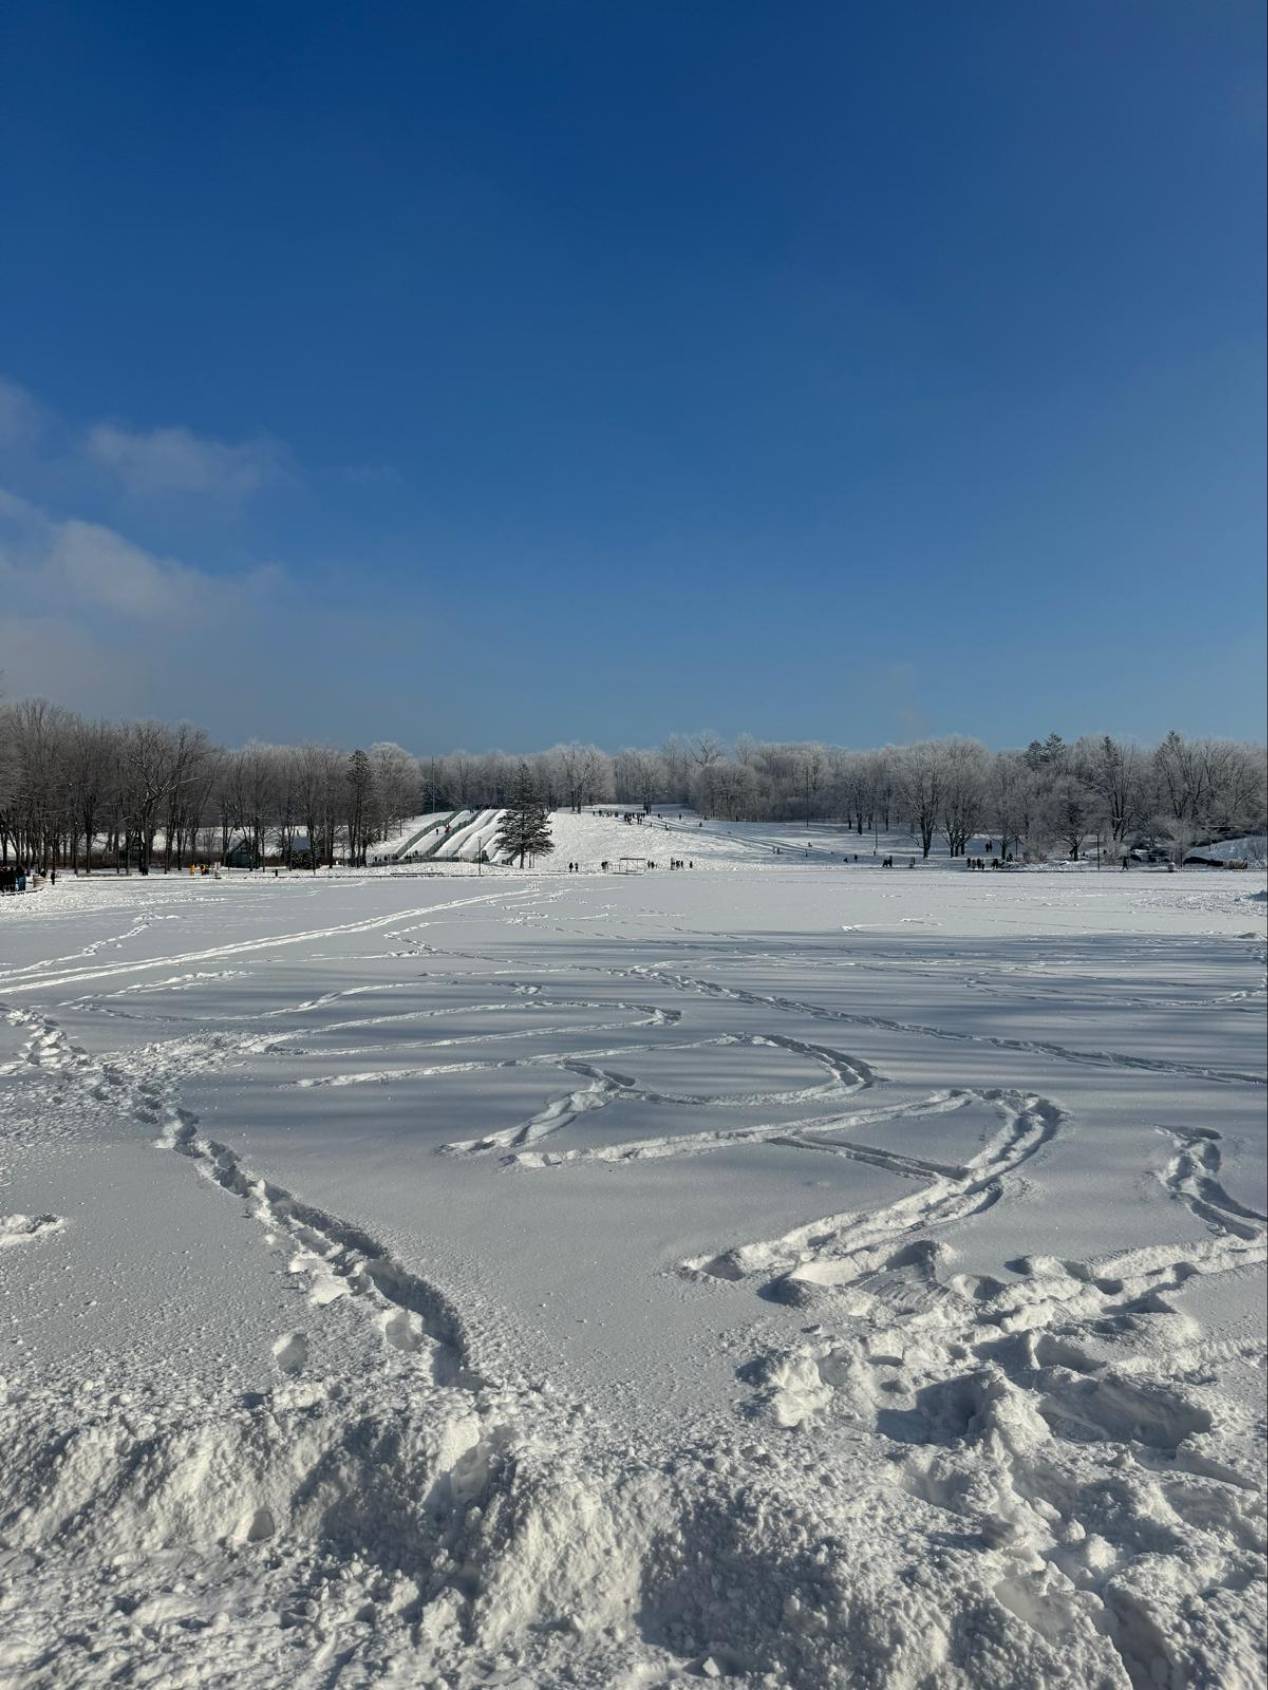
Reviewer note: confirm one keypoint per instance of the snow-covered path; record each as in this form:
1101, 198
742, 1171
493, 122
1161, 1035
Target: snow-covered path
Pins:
796, 1276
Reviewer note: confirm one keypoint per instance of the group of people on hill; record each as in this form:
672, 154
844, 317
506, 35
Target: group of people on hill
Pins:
14, 877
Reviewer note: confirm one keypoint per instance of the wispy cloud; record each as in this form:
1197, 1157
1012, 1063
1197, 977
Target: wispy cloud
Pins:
21, 416
94, 620
902, 683
370, 475
84, 567
175, 460
98, 614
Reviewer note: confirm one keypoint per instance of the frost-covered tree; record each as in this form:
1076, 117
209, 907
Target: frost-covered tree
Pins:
395, 789
91, 769
148, 772
706, 752
253, 795
676, 756
192, 770
578, 775
76, 792
319, 781
1118, 774
920, 788
1011, 800
1047, 753
962, 790
813, 769
358, 794
640, 777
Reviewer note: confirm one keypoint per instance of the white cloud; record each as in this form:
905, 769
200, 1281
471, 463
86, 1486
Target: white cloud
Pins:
83, 568
51, 657
175, 460
21, 418
164, 462
98, 566
96, 622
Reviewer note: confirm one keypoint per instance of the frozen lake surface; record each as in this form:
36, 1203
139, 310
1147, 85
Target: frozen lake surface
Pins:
791, 1274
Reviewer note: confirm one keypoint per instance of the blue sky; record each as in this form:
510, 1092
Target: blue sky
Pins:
495, 374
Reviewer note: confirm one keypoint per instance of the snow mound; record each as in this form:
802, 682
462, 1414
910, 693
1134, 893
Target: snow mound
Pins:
20, 1229
1249, 848
430, 1533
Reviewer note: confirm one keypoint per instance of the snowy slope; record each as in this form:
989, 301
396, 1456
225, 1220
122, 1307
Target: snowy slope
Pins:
438, 842
480, 840
410, 836
594, 836
470, 826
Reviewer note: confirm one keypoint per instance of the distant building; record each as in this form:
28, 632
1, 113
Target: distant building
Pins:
242, 854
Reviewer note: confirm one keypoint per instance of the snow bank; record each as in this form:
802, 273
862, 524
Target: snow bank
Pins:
1250, 848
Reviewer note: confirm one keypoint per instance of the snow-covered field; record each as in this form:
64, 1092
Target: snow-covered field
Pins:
805, 1275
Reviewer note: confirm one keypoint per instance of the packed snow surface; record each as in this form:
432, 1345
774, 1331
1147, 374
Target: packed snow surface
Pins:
803, 1275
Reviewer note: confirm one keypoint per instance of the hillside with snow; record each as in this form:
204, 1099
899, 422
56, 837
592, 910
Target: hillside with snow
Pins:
628, 840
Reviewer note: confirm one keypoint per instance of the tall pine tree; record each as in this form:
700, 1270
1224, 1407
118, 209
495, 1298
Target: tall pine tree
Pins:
525, 830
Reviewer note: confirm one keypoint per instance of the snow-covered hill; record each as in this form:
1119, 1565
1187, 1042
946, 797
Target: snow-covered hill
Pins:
1251, 848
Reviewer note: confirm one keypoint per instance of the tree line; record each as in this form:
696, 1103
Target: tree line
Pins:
78, 793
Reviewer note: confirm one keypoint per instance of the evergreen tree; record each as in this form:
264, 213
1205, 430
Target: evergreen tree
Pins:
1047, 753
525, 829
